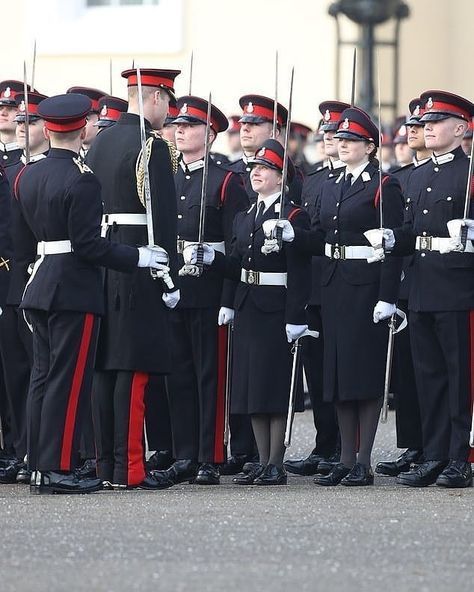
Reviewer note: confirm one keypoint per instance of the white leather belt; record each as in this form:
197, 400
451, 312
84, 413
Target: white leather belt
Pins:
122, 220
434, 243
182, 244
347, 252
263, 278
53, 247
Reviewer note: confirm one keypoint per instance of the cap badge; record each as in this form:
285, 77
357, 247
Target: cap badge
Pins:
429, 103
103, 111
7, 92
261, 152
249, 108
327, 115
22, 107
184, 108
345, 124
402, 131
416, 111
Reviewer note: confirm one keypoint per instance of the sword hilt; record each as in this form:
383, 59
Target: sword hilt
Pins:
464, 231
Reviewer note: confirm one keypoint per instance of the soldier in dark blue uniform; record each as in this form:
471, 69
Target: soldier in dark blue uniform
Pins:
109, 110
15, 337
441, 297
134, 340
325, 452
92, 130
407, 409
256, 126
57, 214
10, 152
357, 292
196, 387
269, 302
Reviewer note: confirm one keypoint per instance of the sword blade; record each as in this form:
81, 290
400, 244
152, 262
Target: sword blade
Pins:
353, 85
191, 64
205, 173
110, 76
284, 175
228, 383
33, 67
275, 101
27, 117
467, 199
2, 439
292, 397
146, 172
380, 144
388, 369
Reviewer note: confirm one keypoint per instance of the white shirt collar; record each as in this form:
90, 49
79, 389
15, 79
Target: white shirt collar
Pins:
335, 164
9, 146
443, 158
34, 158
192, 166
356, 173
417, 162
268, 201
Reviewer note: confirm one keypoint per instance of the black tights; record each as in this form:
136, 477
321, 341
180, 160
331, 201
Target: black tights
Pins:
269, 431
362, 416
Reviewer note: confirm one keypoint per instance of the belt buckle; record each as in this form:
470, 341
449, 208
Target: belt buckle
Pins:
252, 277
338, 252
426, 243
180, 246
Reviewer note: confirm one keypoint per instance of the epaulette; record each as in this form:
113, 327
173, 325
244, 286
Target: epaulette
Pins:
81, 165
174, 155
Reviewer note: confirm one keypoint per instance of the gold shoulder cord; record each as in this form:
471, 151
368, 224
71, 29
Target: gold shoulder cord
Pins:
139, 170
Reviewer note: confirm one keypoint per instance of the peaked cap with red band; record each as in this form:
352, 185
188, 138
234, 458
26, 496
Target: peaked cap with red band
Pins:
65, 113
94, 95
259, 109
270, 154
193, 109
400, 135
234, 125
440, 104
173, 112
110, 110
331, 112
153, 77
468, 133
417, 108
8, 91
355, 124
34, 99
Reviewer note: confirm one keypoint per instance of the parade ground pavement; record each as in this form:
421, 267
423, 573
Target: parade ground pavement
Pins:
298, 537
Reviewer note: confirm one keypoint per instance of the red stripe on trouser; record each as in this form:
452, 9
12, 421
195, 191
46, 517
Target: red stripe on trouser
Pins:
78, 376
219, 456
136, 467
471, 327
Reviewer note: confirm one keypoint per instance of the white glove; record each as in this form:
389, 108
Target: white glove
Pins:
294, 332
226, 315
171, 299
190, 254
152, 257
452, 245
455, 228
288, 234
470, 233
389, 238
383, 310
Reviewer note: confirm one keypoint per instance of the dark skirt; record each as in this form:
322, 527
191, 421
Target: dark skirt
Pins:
355, 348
262, 363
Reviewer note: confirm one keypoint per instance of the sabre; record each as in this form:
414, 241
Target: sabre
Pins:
275, 102
380, 146
228, 383
33, 67
197, 269
27, 116
353, 86
146, 185
295, 350
191, 63
471, 435
110, 76
392, 331
2, 439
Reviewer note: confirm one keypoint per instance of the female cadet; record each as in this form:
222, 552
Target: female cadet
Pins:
356, 293
269, 304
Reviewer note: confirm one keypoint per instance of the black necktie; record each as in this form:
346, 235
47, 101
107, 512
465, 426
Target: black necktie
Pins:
259, 216
347, 184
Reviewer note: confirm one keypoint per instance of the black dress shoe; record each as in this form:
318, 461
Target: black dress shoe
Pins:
235, 463
401, 465
250, 471
271, 475
208, 474
88, 469
46, 482
423, 475
180, 471
9, 473
457, 474
23, 476
305, 466
359, 475
335, 476
151, 482
160, 461
326, 465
